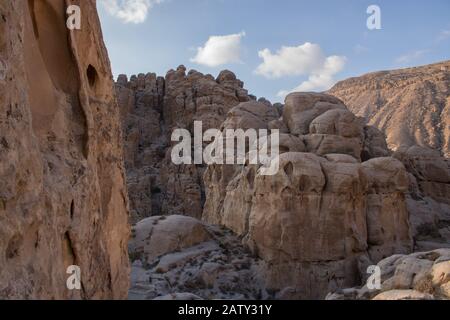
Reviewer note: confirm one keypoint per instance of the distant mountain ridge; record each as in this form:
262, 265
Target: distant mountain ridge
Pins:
411, 106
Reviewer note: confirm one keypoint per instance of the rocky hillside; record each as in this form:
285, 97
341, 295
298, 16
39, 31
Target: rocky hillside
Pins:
63, 196
411, 106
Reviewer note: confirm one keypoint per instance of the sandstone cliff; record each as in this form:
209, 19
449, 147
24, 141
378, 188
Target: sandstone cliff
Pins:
152, 107
410, 106
325, 214
63, 197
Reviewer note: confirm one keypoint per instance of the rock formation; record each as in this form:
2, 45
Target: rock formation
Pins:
324, 214
63, 197
430, 170
179, 257
429, 196
341, 200
418, 276
410, 106
152, 107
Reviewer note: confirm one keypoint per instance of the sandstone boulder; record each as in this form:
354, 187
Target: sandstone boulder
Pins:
302, 108
250, 115
156, 236
181, 254
418, 276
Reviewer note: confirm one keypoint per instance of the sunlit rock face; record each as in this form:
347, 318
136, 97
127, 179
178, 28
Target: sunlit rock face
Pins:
63, 198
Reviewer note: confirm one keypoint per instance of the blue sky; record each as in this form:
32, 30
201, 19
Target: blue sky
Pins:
324, 41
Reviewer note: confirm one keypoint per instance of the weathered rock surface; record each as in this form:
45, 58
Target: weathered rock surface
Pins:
410, 106
338, 203
429, 196
155, 236
181, 258
63, 196
152, 107
431, 171
324, 214
418, 276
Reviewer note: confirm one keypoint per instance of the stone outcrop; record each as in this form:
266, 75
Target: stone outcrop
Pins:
151, 108
63, 196
418, 276
430, 170
410, 106
429, 196
324, 214
181, 258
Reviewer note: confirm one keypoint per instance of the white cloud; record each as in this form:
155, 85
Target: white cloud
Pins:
307, 59
443, 35
130, 11
411, 56
220, 50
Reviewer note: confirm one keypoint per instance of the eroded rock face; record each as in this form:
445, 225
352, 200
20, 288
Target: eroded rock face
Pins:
418, 276
152, 107
63, 198
431, 171
324, 214
429, 198
410, 106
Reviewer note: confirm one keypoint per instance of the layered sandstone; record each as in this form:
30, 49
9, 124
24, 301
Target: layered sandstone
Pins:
63, 197
410, 106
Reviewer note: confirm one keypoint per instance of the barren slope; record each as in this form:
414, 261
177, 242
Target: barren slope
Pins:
411, 106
